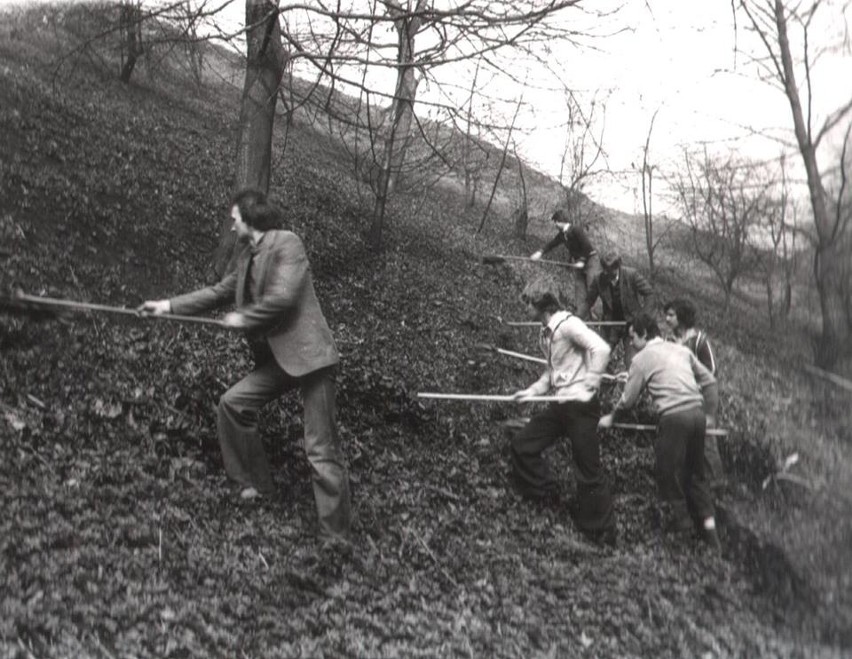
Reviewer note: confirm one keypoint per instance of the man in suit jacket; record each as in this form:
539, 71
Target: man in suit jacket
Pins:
277, 308
624, 294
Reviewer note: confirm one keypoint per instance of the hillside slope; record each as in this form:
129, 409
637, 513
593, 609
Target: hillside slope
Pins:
121, 536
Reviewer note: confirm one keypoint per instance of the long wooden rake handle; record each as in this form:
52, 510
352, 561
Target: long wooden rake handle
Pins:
73, 305
491, 398
540, 360
500, 258
596, 323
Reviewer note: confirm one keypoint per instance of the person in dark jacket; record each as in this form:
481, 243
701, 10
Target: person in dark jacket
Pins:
624, 293
680, 317
581, 253
277, 308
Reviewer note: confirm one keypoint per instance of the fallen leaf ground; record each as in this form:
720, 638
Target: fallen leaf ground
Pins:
120, 535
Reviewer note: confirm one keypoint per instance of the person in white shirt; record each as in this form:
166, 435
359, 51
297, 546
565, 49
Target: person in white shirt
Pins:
576, 359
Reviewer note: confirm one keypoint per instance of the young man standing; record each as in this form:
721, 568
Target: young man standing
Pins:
681, 387
581, 252
624, 293
576, 359
277, 308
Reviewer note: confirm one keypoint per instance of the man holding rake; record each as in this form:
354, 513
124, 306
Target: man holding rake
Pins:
576, 360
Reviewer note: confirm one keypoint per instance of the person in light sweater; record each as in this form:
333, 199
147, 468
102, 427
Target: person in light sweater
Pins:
576, 359
681, 388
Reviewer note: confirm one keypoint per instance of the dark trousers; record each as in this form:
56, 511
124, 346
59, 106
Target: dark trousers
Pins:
242, 450
615, 333
593, 511
583, 279
679, 453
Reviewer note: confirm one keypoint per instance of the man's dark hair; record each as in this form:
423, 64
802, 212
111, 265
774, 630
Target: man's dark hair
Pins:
645, 326
559, 216
543, 294
255, 210
611, 261
683, 310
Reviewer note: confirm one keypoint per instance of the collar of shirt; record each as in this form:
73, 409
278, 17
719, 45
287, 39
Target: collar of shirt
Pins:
255, 246
554, 321
654, 341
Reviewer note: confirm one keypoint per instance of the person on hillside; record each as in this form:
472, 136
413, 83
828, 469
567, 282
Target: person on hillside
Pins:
624, 293
680, 317
581, 253
681, 389
277, 308
576, 359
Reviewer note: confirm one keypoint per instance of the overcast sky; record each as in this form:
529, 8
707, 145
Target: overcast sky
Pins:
679, 57
675, 56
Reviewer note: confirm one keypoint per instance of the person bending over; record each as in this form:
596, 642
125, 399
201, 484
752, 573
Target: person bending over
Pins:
680, 387
581, 252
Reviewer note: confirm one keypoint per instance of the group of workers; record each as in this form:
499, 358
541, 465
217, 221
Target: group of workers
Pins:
679, 375
277, 309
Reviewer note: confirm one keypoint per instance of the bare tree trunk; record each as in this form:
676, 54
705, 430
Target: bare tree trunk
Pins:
522, 217
647, 199
402, 113
828, 261
130, 20
265, 64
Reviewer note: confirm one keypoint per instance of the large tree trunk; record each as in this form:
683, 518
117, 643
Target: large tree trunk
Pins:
265, 64
402, 114
828, 266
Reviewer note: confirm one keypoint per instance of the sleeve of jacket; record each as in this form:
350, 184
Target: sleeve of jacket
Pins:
707, 383
583, 242
207, 298
704, 352
282, 291
553, 244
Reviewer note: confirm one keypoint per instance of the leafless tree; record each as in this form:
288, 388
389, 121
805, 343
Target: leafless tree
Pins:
340, 42
782, 27
583, 157
723, 201
647, 171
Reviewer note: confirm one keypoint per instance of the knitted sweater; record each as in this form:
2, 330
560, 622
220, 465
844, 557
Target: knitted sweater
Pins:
674, 377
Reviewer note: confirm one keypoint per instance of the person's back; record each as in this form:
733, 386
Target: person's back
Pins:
667, 371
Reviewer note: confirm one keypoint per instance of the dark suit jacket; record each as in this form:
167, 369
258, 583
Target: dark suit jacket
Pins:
284, 309
636, 294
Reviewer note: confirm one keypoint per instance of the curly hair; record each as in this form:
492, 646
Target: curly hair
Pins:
684, 310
